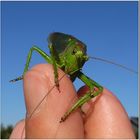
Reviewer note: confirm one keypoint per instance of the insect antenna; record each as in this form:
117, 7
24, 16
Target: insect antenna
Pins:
114, 63
41, 101
44, 97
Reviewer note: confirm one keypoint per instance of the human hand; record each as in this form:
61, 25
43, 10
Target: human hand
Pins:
103, 117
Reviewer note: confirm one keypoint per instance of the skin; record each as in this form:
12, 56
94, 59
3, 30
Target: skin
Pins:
102, 117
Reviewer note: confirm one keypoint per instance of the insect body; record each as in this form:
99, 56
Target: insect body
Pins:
69, 54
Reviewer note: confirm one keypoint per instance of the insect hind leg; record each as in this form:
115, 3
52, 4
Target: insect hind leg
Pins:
94, 90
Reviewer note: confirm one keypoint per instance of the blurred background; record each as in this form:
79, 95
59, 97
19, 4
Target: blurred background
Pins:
109, 29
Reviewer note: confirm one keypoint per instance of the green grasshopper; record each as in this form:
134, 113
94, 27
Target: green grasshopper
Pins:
69, 54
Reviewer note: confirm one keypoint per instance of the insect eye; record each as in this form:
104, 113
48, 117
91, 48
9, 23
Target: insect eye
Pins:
74, 51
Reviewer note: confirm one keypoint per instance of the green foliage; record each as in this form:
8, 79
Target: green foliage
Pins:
135, 125
6, 131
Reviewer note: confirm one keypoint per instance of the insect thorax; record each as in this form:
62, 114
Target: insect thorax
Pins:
73, 60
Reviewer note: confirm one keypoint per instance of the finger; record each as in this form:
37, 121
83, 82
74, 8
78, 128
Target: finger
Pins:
106, 118
45, 121
18, 131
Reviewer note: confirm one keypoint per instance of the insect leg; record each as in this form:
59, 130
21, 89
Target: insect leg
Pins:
53, 58
88, 96
42, 53
91, 84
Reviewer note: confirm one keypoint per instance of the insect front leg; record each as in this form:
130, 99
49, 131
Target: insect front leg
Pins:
54, 58
88, 96
38, 50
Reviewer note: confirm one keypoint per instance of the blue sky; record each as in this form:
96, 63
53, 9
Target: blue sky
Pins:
109, 29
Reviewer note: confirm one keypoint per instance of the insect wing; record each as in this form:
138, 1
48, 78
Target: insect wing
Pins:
60, 41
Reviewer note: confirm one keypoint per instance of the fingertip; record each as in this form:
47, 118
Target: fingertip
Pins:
107, 118
35, 87
18, 131
38, 82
